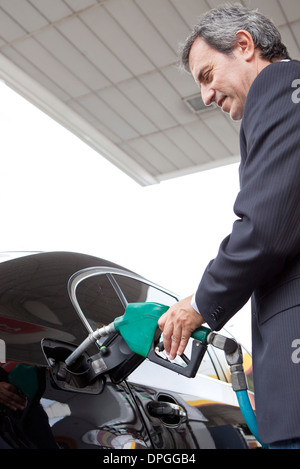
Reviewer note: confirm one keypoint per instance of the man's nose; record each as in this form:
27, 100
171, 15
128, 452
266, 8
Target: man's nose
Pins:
208, 95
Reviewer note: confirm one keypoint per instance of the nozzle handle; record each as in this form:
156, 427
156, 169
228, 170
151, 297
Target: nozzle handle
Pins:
201, 334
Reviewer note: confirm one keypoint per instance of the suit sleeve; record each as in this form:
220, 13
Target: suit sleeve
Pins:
266, 234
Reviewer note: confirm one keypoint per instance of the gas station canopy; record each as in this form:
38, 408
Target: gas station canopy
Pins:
107, 71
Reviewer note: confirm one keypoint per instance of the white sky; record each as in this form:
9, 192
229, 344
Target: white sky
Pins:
57, 194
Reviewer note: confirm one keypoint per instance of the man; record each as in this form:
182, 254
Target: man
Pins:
237, 58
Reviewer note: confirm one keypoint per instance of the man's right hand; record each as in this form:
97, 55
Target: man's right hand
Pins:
177, 325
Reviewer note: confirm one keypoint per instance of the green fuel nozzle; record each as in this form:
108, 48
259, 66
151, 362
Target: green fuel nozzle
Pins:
138, 327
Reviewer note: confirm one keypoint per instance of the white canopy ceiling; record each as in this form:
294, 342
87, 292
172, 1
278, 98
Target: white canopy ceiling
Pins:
107, 71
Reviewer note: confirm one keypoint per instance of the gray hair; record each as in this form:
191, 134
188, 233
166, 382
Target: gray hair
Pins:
218, 28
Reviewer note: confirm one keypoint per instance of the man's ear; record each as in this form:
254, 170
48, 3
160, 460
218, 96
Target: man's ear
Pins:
245, 45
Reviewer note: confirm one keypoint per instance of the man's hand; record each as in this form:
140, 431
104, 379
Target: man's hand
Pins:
9, 396
177, 325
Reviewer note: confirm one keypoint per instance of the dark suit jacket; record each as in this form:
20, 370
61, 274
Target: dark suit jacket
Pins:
261, 257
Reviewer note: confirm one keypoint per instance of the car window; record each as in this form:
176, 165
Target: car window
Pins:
99, 300
218, 358
207, 367
136, 291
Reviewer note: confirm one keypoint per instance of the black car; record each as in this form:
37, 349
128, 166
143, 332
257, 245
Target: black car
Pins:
49, 303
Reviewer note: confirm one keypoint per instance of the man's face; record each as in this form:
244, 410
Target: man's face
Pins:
224, 79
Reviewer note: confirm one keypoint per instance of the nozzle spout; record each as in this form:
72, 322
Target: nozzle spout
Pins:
91, 338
